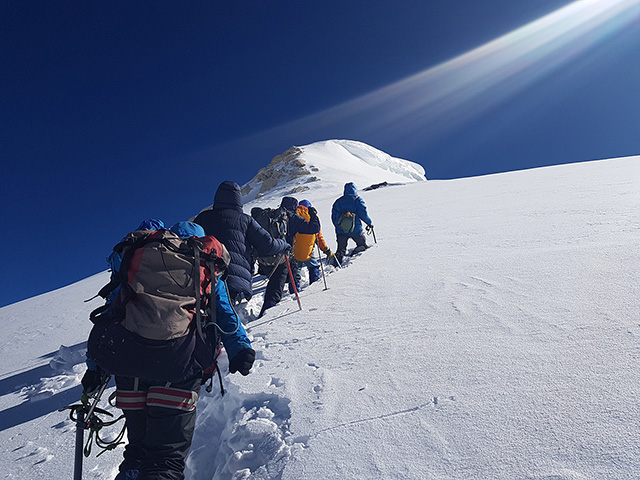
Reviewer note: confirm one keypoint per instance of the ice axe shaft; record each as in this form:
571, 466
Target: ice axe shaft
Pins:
79, 454
293, 281
85, 413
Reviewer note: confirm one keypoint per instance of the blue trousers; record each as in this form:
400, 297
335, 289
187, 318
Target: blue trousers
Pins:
313, 266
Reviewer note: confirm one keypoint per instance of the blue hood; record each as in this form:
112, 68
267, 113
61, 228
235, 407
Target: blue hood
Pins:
151, 224
228, 196
290, 204
187, 229
350, 189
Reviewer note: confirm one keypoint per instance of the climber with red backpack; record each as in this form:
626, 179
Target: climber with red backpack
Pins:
160, 338
347, 214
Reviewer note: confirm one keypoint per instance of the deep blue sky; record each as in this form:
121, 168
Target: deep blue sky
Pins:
116, 111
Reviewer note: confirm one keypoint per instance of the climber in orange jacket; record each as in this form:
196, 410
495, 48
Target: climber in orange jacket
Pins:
303, 246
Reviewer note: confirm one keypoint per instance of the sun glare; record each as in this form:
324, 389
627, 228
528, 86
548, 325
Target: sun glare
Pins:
455, 91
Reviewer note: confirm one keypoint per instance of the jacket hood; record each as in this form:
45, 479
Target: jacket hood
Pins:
228, 196
187, 229
290, 204
350, 189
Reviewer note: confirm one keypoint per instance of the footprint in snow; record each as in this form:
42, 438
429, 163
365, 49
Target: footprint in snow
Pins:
242, 436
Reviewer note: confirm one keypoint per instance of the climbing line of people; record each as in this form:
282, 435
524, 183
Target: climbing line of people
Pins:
169, 309
267, 235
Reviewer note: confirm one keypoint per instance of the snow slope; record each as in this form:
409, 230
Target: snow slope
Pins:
491, 333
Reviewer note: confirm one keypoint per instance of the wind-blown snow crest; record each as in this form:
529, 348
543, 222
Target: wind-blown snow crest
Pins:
327, 166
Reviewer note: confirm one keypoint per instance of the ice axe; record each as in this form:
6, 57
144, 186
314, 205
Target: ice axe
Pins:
83, 414
372, 231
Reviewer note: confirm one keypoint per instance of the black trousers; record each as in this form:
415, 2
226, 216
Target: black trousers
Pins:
343, 239
275, 286
160, 420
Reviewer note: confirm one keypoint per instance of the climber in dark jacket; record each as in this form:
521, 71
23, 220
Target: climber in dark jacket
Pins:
240, 234
295, 224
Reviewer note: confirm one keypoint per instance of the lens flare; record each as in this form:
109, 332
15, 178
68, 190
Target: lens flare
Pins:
444, 96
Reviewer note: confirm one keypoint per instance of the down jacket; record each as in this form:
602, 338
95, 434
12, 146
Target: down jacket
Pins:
240, 234
351, 202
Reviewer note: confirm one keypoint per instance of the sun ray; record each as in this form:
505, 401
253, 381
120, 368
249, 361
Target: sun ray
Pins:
448, 94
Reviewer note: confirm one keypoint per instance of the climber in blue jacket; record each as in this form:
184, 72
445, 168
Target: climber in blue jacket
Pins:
347, 214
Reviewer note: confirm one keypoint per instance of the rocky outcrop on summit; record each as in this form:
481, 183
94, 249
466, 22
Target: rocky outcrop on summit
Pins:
332, 163
282, 169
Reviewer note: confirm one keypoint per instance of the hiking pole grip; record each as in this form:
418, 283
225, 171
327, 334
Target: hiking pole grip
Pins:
293, 282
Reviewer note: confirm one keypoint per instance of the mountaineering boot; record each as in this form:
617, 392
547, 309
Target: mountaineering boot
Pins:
359, 249
265, 306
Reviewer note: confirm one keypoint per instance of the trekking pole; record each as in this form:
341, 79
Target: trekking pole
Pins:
274, 267
272, 272
322, 268
293, 282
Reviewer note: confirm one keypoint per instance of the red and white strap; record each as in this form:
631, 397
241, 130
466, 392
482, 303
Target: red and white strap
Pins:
131, 400
172, 398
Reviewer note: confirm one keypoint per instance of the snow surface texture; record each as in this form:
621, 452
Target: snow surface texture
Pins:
491, 333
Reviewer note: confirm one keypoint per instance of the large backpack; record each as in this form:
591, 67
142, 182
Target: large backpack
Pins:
274, 221
347, 221
162, 325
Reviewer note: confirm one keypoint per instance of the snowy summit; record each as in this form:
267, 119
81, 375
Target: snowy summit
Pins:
327, 165
491, 333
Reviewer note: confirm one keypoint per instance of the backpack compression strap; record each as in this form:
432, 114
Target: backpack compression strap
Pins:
197, 246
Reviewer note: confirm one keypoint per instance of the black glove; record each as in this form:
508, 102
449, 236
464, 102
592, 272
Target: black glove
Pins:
93, 380
243, 361
369, 227
312, 212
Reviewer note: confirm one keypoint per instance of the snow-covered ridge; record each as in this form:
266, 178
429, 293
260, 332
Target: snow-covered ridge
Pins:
492, 336
377, 158
333, 162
